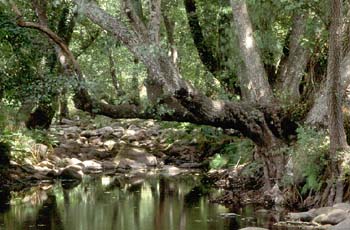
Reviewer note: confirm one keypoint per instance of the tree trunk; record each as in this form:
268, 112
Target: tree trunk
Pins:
205, 52
336, 127
254, 85
292, 69
318, 114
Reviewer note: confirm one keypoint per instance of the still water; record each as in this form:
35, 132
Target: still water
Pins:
126, 202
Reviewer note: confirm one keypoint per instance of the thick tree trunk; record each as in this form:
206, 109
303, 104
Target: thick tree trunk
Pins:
336, 127
318, 114
263, 124
292, 69
254, 85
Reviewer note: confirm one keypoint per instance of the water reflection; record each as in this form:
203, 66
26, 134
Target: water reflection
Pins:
133, 202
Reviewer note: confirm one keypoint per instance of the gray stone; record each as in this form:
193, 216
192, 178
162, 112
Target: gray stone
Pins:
128, 164
190, 165
105, 131
67, 121
344, 225
109, 144
91, 165
88, 133
333, 217
71, 173
136, 154
302, 216
108, 165
343, 206
253, 228
73, 161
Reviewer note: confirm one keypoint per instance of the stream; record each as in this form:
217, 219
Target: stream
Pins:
139, 201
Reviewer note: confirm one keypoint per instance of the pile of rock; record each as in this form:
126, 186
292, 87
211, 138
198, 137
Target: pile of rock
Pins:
336, 217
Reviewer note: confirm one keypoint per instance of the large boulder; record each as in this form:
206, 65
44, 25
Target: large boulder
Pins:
333, 217
344, 225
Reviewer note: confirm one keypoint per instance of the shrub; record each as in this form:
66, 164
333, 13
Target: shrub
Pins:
309, 158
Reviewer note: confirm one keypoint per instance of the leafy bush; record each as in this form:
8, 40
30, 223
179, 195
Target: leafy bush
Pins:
308, 157
237, 152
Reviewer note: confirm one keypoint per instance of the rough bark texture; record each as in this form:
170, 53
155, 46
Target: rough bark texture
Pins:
318, 115
254, 85
205, 52
336, 127
263, 124
170, 29
292, 69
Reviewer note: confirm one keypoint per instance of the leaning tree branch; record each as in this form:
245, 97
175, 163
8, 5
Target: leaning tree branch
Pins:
135, 18
154, 22
206, 54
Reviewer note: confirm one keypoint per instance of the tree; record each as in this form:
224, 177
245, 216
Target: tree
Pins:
260, 116
336, 125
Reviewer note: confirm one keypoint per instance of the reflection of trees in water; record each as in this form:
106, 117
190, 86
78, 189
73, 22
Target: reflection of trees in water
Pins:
5, 197
48, 216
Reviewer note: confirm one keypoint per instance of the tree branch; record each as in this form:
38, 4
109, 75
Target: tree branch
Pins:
154, 22
135, 18
205, 52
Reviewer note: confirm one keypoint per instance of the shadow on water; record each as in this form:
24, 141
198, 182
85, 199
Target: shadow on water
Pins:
128, 202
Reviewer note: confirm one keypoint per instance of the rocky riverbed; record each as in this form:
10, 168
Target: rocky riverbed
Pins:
117, 148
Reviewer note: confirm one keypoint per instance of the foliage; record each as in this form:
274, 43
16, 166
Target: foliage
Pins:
308, 156
237, 152
21, 140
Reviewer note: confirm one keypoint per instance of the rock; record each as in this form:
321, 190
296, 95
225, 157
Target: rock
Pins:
109, 144
28, 168
333, 217
91, 165
97, 141
72, 173
253, 228
72, 129
70, 146
47, 164
38, 176
190, 165
54, 159
118, 132
88, 133
41, 150
108, 165
343, 206
171, 170
105, 131
136, 154
302, 216
344, 225
135, 135
66, 121
53, 173
73, 161
127, 164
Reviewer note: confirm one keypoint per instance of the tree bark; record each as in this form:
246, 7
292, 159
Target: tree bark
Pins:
318, 114
336, 126
205, 52
292, 69
254, 85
